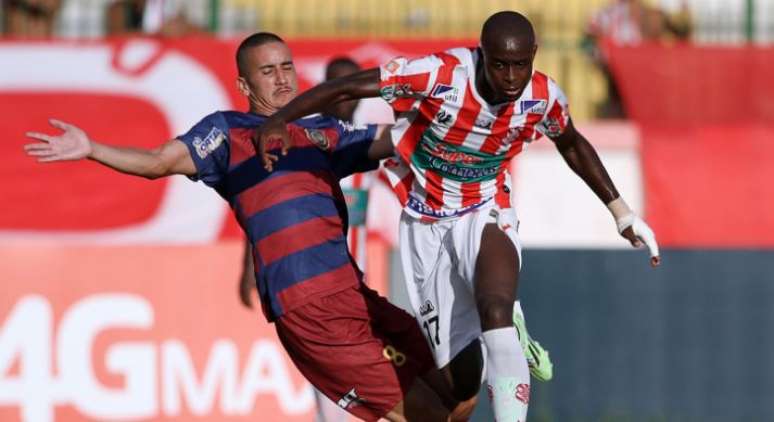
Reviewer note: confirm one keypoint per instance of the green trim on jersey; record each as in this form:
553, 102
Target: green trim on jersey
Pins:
357, 205
455, 162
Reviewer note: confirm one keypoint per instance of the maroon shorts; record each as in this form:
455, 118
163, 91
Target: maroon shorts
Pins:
358, 349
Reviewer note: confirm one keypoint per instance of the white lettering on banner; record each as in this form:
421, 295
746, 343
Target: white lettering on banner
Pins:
27, 333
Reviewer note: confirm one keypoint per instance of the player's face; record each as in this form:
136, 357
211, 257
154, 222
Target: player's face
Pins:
508, 67
271, 77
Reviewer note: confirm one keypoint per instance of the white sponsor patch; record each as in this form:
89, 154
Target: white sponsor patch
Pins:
210, 143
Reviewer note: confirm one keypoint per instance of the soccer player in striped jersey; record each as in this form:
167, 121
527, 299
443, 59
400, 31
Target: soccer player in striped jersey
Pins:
469, 112
362, 352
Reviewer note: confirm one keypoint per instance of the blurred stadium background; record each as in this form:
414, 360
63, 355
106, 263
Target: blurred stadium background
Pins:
119, 297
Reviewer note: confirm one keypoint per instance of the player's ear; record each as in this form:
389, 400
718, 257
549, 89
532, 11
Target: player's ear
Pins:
242, 86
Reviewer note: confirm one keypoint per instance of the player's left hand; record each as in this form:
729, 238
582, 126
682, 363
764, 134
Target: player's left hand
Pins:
637, 232
271, 130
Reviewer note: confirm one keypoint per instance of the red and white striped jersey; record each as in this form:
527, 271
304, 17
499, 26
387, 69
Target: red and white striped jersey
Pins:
454, 147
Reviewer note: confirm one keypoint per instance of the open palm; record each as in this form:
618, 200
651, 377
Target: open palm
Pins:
72, 144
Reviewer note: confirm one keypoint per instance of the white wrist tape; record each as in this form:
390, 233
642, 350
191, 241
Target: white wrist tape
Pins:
623, 215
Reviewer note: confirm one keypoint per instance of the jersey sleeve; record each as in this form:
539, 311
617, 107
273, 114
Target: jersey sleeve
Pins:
401, 81
557, 115
208, 144
350, 153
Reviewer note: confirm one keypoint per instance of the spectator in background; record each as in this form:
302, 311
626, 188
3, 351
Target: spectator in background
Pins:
630, 22
162, 17
29, 18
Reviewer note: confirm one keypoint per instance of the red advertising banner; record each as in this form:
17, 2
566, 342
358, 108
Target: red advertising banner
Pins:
130, 92
138, 333
707, 121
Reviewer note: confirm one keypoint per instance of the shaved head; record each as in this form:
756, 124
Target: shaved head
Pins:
507, 29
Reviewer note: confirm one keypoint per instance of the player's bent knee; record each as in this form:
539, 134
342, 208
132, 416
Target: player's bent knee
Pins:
495, 312
463, 373
419, 404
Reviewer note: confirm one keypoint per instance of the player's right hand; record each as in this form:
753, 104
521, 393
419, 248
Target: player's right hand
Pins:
72, 144
267, 135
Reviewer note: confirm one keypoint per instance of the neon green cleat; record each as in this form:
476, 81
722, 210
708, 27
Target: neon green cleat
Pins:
539, 362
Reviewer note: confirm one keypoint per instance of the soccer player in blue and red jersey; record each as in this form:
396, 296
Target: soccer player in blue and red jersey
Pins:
362, 352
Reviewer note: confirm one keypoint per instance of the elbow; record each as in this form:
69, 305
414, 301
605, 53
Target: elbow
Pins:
157, 168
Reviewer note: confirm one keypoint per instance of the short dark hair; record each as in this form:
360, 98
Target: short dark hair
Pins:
340, 61
256, 40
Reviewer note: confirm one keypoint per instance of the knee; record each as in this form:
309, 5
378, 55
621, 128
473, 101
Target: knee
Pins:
495, 312
463, 411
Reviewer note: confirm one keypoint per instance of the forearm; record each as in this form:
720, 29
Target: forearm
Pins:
129, 160
581, 157
360, 85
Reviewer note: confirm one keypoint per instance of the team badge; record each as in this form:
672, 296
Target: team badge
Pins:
318, 138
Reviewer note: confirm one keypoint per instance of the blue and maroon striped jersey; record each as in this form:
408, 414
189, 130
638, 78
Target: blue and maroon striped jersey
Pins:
295, 217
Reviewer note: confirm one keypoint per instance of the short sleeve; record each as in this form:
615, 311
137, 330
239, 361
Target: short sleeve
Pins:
208, 143
402, 78
350, 154
557, 115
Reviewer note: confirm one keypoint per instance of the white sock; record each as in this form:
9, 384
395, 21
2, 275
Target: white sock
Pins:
507, 375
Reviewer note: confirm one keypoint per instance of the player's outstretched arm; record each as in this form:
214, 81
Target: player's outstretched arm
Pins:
363, 84
584, 161
74, 144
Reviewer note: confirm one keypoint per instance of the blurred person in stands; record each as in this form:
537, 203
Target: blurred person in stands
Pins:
467, 113
29, 18
361, 351
628, 23
163, 17
355, 188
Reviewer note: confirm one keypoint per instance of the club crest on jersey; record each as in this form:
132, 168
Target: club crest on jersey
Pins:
391, 92
318, 138
210, 143
533, 106
447, 92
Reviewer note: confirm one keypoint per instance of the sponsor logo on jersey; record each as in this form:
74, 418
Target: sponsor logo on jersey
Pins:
210, 143
443, 117
426, 308
351, 399
318, 138
420, 207
391, 92
394, 355
533, 106
447, 92
450, 155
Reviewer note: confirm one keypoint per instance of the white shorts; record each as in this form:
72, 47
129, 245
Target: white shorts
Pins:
439, 261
